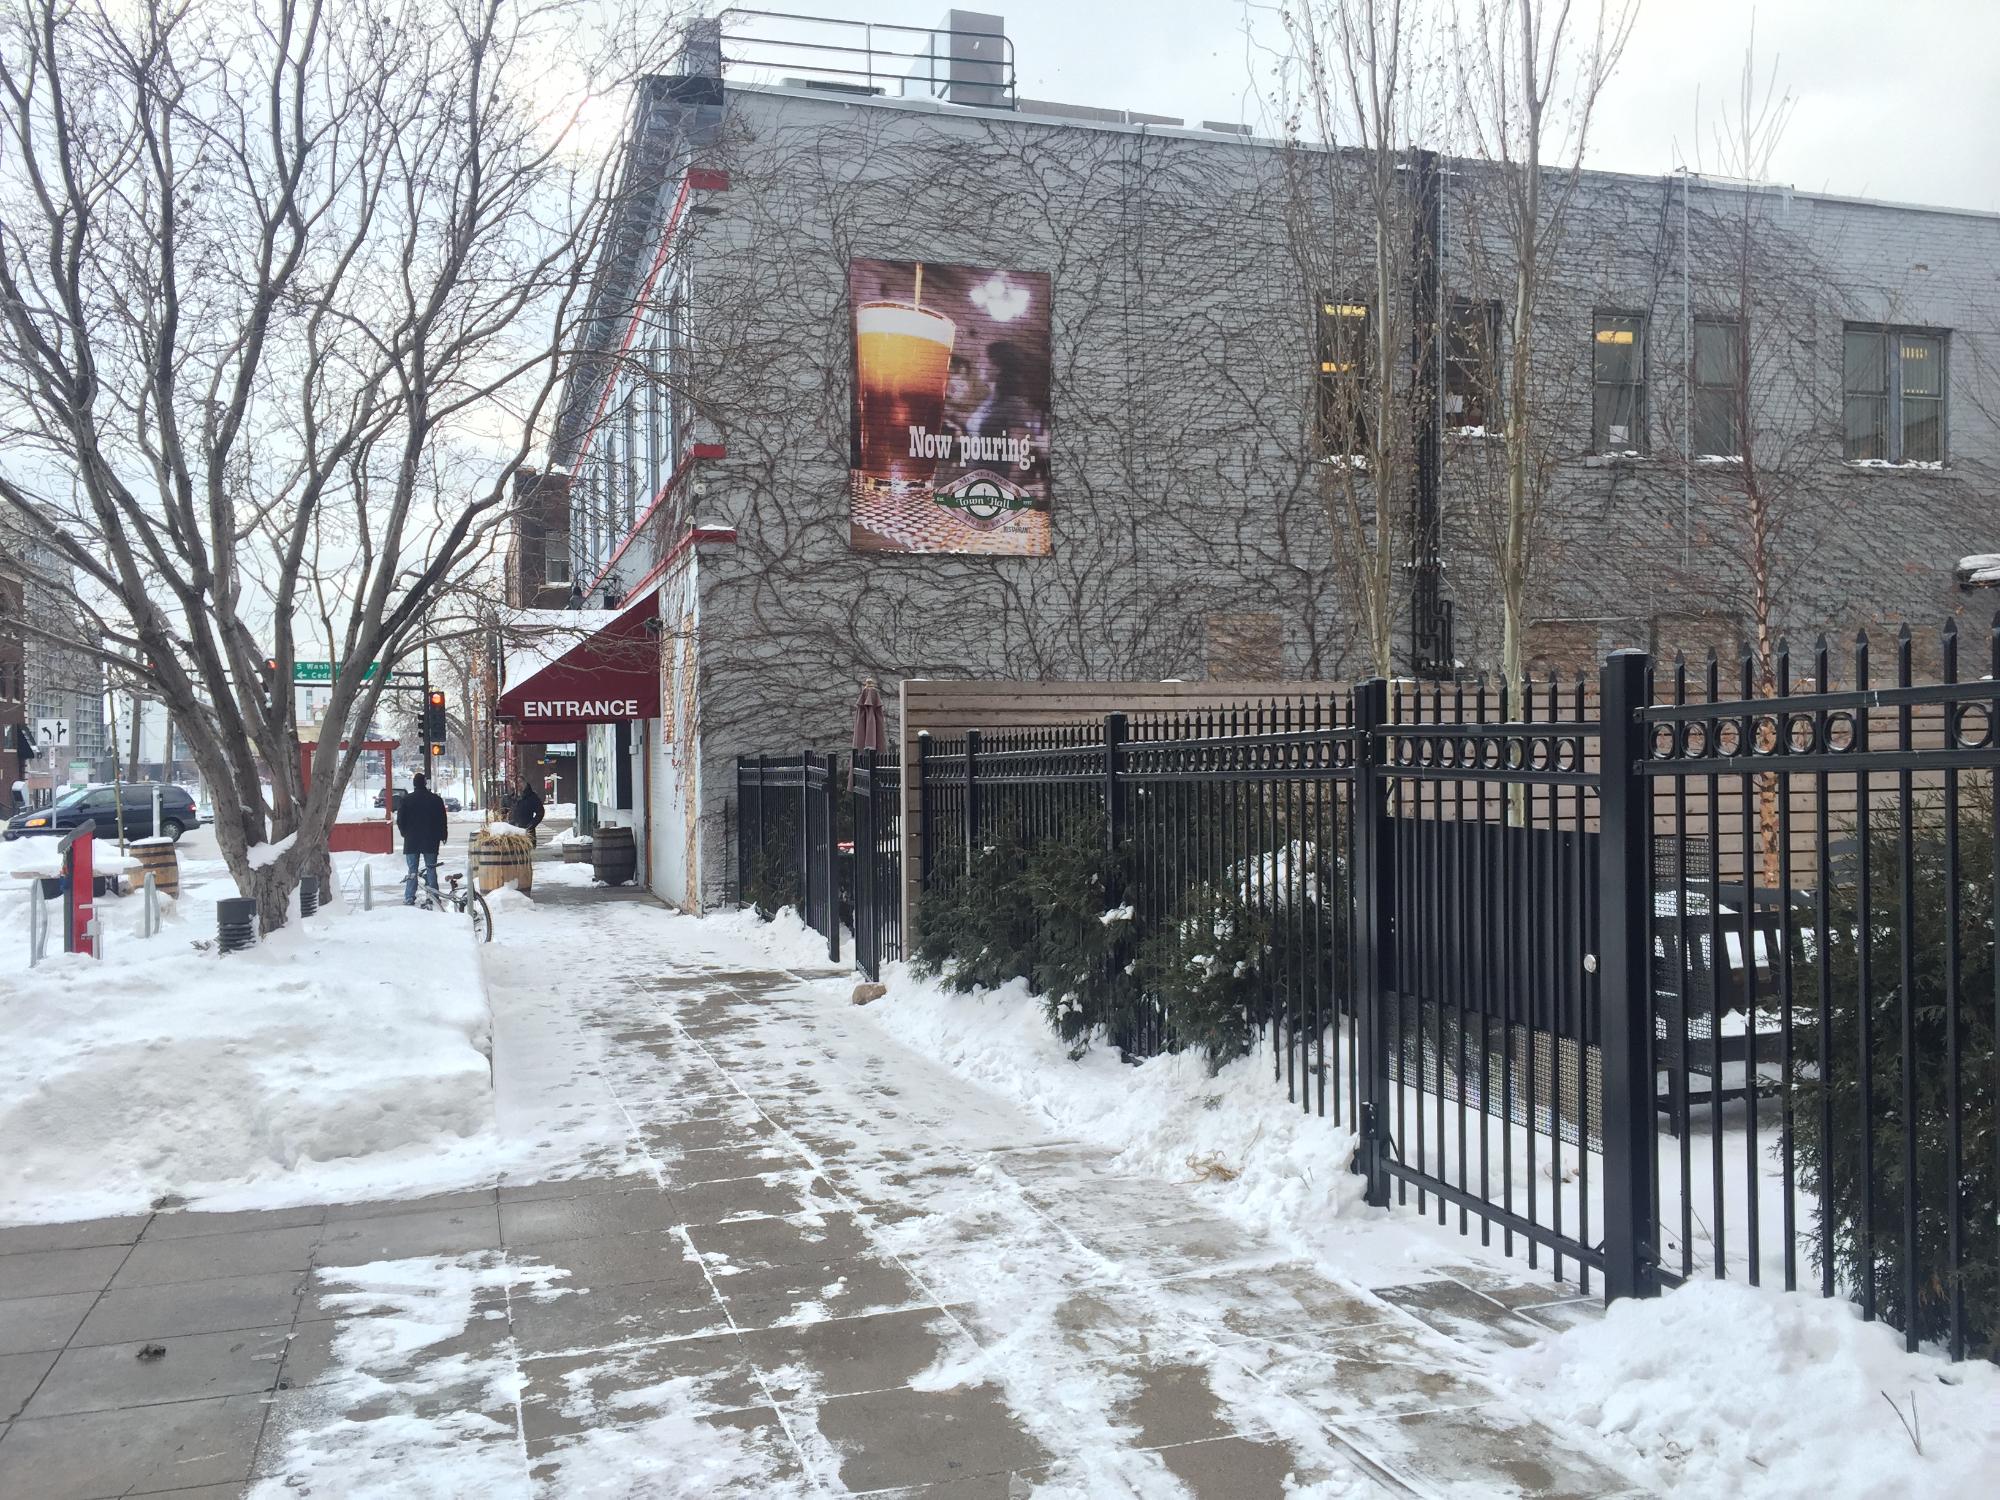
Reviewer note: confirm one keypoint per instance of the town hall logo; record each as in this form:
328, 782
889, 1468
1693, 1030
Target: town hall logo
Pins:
983, 496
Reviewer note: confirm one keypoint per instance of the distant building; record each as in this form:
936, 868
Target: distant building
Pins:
44, 683
536, 568
15, 731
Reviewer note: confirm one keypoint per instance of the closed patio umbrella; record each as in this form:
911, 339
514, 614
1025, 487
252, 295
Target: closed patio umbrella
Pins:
871, 724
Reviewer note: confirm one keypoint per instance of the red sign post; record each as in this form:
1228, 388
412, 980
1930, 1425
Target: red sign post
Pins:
79, 890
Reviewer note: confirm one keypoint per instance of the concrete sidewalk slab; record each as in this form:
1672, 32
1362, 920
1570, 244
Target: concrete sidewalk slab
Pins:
846, 1271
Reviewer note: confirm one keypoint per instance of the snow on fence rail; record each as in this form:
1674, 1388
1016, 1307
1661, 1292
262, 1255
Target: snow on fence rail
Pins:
1657, 977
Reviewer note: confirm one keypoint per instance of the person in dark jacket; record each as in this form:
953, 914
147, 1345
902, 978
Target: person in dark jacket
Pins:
421, 820
527, 813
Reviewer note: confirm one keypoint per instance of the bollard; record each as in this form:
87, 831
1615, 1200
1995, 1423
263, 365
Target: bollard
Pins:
38, 923
236, 923
308, 895
367, 887
79, 888
151, 923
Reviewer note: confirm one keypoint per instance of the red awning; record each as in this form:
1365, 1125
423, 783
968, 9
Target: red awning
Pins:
607, 676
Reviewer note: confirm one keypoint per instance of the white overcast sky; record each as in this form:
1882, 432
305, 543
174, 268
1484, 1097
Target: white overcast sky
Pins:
1897, 99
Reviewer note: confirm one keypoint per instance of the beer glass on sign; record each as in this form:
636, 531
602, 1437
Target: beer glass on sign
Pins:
902, 356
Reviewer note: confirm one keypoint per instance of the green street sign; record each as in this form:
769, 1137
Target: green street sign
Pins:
322, 671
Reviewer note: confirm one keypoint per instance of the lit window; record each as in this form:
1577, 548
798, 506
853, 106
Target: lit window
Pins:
1343, 377
1893, 394
1471, 365
1618, 378
1718, 377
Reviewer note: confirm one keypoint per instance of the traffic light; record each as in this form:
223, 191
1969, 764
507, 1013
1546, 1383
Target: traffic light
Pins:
271, 684
434, 721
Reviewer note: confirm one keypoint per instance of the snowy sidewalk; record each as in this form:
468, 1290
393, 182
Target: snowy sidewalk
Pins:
826, 1265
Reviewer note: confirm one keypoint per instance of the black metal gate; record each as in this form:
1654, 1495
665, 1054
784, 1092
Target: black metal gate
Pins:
1485, 852
821, 853
878, 861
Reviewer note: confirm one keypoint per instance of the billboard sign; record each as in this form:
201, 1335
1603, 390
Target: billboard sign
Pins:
949, 437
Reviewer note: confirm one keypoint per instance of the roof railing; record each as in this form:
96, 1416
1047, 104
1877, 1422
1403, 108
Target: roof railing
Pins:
950, 64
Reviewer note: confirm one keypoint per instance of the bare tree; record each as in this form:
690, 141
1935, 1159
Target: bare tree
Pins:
1765, 276
1530, 73
1361, 91
284, 293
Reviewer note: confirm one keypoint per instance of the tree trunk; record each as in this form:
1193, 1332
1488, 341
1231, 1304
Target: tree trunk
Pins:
273, 893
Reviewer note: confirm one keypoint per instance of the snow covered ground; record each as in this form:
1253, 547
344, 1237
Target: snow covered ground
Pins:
1717, 1386
343, 1056
348, 1058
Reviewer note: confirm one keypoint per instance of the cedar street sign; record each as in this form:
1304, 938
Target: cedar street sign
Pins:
322, 671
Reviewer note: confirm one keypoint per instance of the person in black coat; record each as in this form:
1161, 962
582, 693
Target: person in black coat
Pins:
421, 820
527, 813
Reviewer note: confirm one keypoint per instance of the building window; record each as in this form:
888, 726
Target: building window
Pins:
555, 558
1893, 393
1343, 378
1618, 378
656, 414
629, 470
1718, 377
1472, 366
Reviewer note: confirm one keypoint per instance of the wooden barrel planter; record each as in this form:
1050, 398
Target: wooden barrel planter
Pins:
500, 858
614, 856
577, 853
158, 859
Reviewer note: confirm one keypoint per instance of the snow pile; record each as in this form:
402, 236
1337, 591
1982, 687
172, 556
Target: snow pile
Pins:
1249, 1152
501, 828
338, 1051
1731, 1389
783, 942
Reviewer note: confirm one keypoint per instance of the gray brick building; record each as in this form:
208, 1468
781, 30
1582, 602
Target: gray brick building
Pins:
1187, 450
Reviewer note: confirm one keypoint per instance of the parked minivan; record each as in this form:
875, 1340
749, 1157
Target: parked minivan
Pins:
81, 804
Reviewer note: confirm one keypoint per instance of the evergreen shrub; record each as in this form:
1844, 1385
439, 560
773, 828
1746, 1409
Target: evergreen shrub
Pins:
1239, 954
774, 879
1833, 1155
973, 926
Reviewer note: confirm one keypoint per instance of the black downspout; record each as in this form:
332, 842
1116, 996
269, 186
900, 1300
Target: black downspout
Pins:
1431, 654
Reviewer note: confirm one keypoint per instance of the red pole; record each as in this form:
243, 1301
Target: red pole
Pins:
82, 896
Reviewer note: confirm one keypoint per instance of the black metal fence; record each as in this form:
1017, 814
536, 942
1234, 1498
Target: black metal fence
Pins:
770, 830
823, 833
1825, 998
1656, 980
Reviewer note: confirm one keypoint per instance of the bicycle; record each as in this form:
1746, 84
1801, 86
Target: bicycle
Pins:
430, 898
